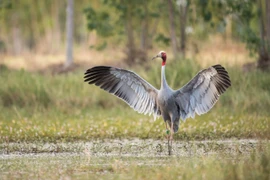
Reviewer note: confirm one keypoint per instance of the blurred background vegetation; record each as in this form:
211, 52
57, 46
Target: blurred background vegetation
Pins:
135, 26
45, 47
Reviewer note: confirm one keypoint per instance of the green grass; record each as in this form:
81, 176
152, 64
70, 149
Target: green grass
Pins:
36, 107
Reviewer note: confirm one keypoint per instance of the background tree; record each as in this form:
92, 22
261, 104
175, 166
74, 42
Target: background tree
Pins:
183, 8
133, 20
171, 13
252, 24
40, 29
264, 45
178, 8
69, 26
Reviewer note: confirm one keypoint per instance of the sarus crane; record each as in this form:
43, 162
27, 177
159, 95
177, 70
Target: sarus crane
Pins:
198, 96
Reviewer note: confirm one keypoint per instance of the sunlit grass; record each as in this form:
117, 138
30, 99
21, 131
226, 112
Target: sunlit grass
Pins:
100, 125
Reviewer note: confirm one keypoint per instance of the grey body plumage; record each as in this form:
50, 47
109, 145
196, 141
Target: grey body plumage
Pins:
198, 96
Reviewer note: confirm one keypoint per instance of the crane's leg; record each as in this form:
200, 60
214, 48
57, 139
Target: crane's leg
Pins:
170, 139
167, 130
168, 135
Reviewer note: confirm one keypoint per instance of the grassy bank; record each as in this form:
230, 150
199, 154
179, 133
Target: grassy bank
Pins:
38, 107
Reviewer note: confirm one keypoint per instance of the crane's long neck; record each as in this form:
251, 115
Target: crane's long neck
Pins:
163, 77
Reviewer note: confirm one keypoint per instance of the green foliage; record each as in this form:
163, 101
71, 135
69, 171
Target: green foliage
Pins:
2, 46
162, 39
99, 21
123, 20
245, 13
5, 4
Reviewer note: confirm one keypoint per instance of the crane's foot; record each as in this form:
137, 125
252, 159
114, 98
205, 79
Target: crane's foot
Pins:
169, 135
170, 148
170, 140
169, 145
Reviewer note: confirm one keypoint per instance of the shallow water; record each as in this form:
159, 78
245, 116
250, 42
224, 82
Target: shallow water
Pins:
132, 147
115, 159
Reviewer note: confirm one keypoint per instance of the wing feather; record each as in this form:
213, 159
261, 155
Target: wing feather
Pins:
126, 85
203, 91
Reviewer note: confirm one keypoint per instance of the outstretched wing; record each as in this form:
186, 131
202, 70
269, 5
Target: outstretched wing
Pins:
202, 92
131, 88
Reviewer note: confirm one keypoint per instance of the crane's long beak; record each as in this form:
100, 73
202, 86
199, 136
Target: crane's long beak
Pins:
155, 57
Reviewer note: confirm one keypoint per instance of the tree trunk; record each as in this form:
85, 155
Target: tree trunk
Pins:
131, 50
144, 35
16, 35
56, 27
183, 20
172, 28
69, 34
264, 54
268, 25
